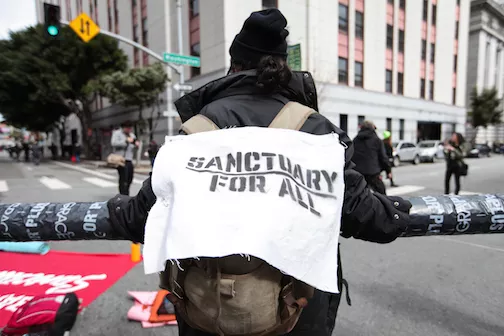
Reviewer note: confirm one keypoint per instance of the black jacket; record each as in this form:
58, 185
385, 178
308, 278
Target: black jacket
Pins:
235, 101
388, 150
369, 153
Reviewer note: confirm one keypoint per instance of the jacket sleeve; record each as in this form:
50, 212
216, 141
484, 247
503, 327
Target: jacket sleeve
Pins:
383, 157
118, 140
365, 215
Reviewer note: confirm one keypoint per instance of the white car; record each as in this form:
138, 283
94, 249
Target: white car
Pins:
430, 150
404, 151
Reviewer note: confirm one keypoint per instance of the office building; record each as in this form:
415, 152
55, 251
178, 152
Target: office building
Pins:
384, 60
485, 67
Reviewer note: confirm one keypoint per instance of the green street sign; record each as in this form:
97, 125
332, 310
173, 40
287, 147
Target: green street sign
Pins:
182, 59
294, 57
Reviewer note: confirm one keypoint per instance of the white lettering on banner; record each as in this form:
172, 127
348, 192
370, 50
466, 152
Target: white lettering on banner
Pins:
89, 222
463, 210
13, 302
60, 284
60, 226
5, 217
31, 221
437, 209
495, 206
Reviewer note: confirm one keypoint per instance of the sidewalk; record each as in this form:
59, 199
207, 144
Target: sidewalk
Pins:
144, 167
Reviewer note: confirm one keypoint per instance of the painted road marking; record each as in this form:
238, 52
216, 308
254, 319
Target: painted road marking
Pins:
3, 186
402, 190
54, 183
91, 172
99, 182
471, 244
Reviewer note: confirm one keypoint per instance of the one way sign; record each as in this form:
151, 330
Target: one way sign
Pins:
183, 87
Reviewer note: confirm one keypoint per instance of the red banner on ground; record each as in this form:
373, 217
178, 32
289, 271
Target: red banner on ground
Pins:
23, 276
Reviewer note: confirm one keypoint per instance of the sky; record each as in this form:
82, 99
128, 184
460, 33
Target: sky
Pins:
16, 15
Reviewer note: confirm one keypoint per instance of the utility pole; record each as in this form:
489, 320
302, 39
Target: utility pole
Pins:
180, 42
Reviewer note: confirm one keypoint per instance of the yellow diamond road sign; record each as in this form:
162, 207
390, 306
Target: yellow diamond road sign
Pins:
85, 27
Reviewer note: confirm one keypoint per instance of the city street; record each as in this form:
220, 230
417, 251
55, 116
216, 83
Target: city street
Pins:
414, 286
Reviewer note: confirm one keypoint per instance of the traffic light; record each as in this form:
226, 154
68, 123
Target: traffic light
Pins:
52, 19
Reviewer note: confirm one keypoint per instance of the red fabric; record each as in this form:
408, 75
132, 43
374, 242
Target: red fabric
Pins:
24, 276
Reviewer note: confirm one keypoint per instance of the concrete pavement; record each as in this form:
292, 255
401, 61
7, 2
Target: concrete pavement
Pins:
414, 286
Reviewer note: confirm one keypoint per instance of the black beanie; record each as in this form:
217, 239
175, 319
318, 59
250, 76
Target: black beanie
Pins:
263, 33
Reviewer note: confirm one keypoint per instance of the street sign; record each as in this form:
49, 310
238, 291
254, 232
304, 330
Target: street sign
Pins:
182, 59
85, 27
183, 87
294, 57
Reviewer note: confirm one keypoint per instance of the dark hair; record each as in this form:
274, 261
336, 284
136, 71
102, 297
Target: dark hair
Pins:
460, 138
127, 124
273, 72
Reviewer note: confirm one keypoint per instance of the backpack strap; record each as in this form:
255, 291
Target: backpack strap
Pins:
292, 116
198, 123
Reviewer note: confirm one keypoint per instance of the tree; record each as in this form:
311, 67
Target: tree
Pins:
138, 87
38, 75
485, 108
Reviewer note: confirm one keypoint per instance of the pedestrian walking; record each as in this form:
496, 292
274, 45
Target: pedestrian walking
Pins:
370, 158
455, 165
389, 150
152, 151
124, 143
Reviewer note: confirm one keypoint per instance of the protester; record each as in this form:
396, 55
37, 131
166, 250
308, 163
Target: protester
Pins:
454, 161
370, 158
124, 143
259, 83
389, 150
152, 151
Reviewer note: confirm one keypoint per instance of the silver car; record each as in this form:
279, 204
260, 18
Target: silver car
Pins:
404, 151
430, 150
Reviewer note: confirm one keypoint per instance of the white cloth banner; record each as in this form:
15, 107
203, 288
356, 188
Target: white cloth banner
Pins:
275, 194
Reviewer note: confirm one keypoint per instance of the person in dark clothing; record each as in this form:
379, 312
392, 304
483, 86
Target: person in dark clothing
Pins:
152, 151
454, 160
389, 150
370, 158
258, 85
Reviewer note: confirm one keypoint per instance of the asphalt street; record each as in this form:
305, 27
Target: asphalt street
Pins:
414, 286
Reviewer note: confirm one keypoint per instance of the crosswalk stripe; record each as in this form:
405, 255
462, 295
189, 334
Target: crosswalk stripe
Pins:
100, 182
54, 183
402, 190
467, 193
3, 186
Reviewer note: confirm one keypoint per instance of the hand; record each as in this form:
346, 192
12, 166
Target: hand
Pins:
130, 140
389, 175
137, 143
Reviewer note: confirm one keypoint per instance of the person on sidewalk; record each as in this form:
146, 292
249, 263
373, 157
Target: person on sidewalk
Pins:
124, 143
152, 151
454, 161
387, 142
370, 158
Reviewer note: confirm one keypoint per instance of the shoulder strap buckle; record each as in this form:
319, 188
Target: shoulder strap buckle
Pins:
292, 116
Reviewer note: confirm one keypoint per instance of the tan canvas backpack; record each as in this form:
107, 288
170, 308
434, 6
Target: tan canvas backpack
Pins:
238, 295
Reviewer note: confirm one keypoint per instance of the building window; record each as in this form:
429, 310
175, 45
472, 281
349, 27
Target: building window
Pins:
360, 120
434, 14
454, 96
343, 19
456, 30
269, 4
388, 81
422, 88
401, 129
401, 41
343, 70
343, 122
400, 83
390, 2
424, 49
487, 64
135, 34
432, 52
194, 7
389, 124
390, 36
359, 25
359, 74
455, 60
425, 10
458, 2
402, 4
195, 51
431, 90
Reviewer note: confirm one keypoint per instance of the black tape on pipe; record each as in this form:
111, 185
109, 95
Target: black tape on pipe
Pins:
454, 215
55, 221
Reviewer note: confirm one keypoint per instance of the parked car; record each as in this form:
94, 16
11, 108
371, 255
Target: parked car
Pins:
430, 150
479, 151
404, 151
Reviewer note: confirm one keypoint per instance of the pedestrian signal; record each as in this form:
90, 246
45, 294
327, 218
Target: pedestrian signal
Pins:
52, 19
